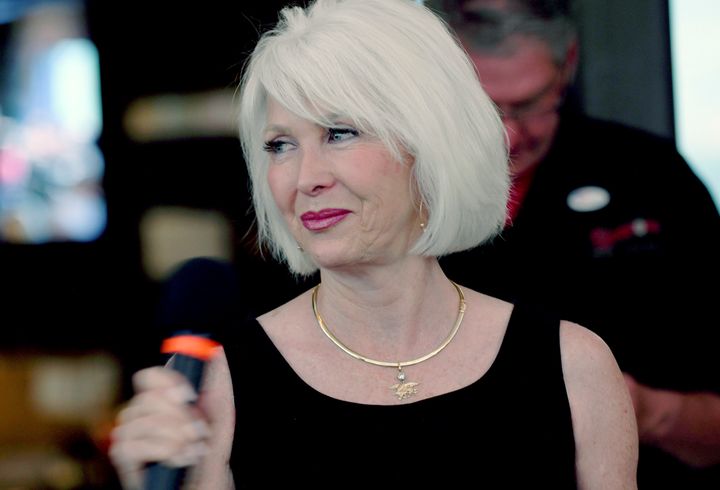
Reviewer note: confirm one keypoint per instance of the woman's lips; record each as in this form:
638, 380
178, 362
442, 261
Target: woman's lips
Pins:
323, 219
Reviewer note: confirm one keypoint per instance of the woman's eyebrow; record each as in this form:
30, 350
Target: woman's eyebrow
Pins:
276, 128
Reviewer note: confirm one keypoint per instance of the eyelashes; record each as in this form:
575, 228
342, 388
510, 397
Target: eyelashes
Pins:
334, 135
274, 146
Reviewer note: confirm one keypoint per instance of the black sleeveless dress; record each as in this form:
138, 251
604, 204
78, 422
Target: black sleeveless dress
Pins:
510, 429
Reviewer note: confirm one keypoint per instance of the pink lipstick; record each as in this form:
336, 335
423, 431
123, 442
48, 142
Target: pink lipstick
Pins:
323, 219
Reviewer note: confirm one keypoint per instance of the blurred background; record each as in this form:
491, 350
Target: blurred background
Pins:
119, 160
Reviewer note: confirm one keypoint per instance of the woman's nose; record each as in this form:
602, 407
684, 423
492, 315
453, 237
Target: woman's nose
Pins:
315, 172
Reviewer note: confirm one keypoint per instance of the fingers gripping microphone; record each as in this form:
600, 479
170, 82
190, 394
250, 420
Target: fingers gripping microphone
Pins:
198, 299
189, 352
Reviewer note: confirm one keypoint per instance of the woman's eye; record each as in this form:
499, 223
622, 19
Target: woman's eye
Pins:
336, 135
276, 146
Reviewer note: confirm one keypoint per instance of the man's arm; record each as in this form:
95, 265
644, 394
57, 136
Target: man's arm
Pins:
686, 425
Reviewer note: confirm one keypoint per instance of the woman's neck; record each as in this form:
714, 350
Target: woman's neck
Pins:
392, 312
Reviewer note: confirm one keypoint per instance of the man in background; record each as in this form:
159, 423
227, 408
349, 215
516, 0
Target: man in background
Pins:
609, 227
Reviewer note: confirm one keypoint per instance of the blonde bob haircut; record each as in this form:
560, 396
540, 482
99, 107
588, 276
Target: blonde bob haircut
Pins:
394, 70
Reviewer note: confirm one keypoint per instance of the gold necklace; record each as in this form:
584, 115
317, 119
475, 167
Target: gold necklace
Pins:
402, 389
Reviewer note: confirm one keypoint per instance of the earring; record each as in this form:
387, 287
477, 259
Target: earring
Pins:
299, 247
422, 221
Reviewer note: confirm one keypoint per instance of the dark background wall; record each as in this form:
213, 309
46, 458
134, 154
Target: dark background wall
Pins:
625, 72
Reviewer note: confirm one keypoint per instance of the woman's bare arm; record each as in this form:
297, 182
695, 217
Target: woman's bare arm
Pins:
606, 437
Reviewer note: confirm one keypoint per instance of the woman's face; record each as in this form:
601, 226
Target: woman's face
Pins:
346, 200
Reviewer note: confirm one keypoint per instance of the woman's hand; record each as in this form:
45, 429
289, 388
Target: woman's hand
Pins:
158, 425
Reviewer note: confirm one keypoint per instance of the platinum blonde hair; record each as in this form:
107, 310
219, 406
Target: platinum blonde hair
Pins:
393, 69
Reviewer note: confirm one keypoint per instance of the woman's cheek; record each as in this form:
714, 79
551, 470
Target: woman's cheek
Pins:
281, 189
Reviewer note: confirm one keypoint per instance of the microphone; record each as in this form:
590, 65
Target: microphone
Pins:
197, 300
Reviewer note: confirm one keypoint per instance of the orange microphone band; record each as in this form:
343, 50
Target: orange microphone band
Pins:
190, 345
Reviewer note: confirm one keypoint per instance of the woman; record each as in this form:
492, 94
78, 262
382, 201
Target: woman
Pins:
373, 150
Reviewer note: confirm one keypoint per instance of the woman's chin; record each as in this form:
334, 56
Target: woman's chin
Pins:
337, 259
334, 262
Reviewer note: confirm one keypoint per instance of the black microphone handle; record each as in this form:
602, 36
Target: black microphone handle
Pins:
197, 299
159, 476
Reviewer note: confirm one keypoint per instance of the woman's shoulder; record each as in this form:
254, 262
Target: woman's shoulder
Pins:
284, 324
591, 373
297, 307
584, 353
489, 307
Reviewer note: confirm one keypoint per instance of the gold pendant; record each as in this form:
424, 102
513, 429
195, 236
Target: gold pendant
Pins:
402, 389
